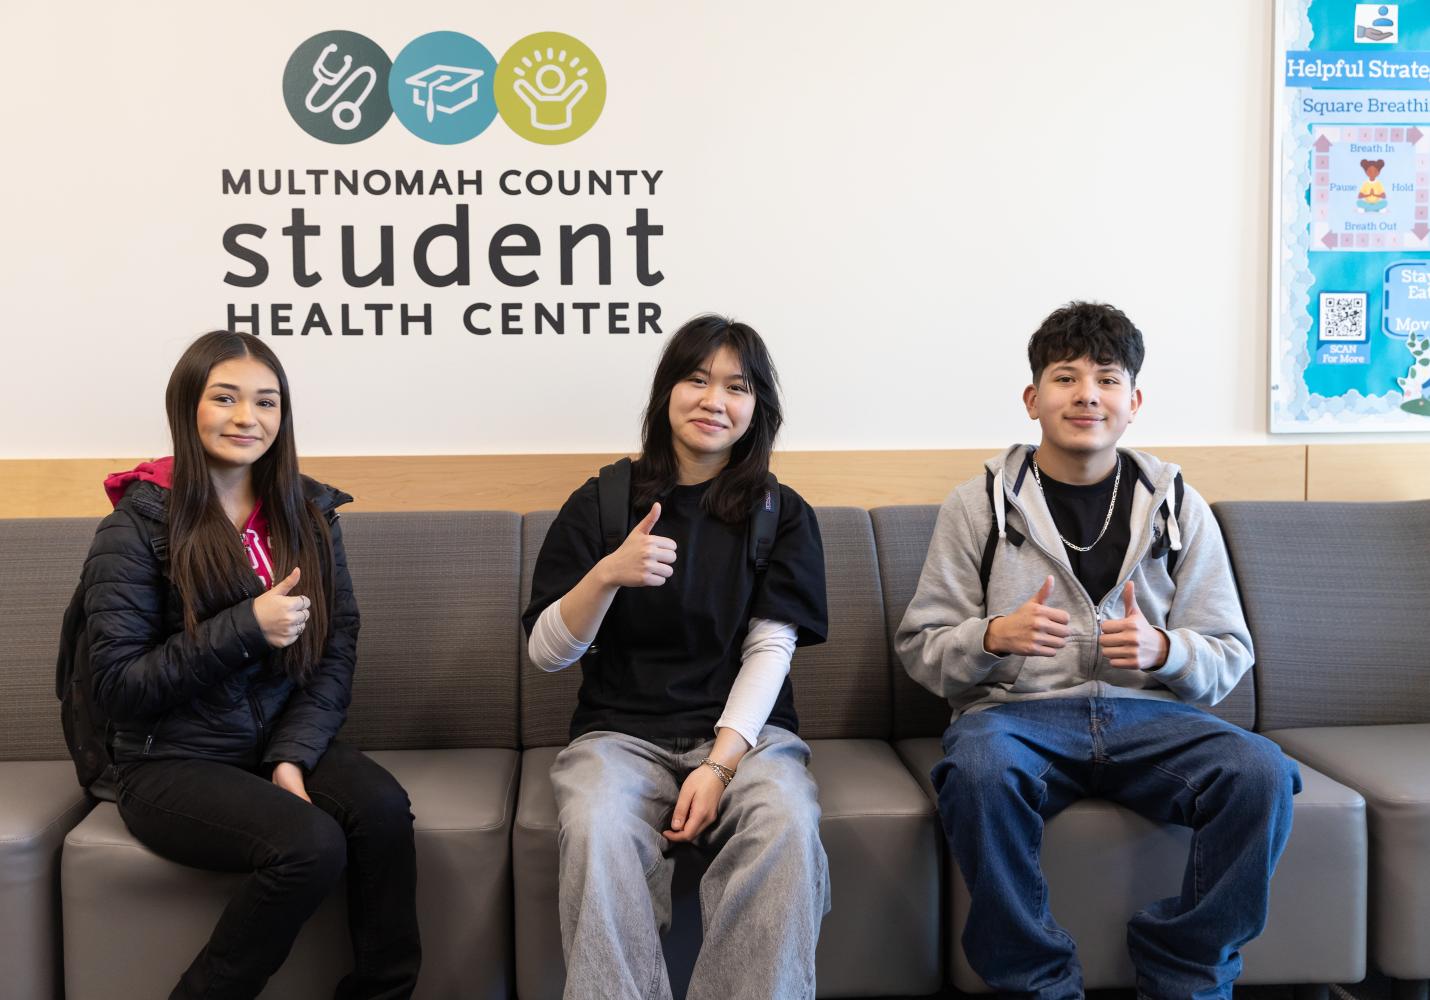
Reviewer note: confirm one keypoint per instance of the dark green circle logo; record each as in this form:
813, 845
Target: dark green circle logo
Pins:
335, 86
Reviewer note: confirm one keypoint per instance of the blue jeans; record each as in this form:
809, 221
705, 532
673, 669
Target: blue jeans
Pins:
761, 900
1009, 769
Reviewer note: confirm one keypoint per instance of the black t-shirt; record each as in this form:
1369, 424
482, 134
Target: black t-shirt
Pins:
1079, 511
665, 658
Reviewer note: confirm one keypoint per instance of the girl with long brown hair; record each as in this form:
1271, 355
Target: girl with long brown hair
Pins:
221, 632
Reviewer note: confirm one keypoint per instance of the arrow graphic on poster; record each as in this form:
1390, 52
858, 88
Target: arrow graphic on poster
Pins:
1323, 145
1330, 240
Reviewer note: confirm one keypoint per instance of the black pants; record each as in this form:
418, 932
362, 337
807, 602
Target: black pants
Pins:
224, 818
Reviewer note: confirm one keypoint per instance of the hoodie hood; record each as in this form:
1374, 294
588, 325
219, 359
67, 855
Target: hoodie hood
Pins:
160, 472
1013, 469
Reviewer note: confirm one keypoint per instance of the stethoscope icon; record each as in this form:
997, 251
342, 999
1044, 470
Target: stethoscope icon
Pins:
347, 115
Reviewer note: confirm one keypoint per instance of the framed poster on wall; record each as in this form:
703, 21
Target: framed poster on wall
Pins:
1350, 269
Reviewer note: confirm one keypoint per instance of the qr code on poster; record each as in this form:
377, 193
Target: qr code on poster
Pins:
1343, 315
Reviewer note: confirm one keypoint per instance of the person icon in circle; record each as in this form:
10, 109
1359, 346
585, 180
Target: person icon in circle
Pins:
552, 99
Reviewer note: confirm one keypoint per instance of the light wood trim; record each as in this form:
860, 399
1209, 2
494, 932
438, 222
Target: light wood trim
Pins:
1368, 471
71, 487
1242, 472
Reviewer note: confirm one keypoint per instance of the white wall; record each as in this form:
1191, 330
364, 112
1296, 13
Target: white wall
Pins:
893, 194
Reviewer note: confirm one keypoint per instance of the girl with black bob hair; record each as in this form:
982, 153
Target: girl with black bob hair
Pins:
733, 493
685, 729
226, 681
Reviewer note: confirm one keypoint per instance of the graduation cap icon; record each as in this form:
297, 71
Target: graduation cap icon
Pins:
444, 88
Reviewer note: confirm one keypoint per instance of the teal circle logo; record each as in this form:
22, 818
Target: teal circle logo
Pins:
440, 87
336, 86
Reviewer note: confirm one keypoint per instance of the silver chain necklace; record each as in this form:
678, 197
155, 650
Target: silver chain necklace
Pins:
1116, 482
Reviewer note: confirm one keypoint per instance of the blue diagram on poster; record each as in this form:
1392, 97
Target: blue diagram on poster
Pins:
1350, 317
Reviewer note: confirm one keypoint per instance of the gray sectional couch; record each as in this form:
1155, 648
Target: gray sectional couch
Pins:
447, 701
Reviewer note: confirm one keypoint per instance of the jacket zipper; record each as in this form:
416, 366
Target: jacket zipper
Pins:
257, 716
1094, 647
148, 742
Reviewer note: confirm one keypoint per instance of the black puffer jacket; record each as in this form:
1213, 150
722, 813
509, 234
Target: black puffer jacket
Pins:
217, 694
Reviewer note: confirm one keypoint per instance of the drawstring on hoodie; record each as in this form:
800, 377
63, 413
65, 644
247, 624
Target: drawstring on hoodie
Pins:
1174, 532
1000, 504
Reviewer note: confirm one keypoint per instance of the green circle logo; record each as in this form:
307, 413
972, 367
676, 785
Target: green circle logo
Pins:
335, 86
550, 88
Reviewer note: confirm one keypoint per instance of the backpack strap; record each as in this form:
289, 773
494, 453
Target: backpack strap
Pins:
764, 521
613, 500
990, 546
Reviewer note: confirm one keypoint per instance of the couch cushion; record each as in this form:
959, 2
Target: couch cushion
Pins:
43, 559
903, 534
1104, 862
127, 908
1390, 766
547, 699
437, 654
841, 687
1334, 591
881, 937
40, 802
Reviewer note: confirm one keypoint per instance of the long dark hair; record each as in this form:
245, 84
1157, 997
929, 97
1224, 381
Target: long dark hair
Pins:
206, 560
735, 490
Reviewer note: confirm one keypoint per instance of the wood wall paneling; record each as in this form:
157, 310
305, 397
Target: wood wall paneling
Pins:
72, 487
1368, 471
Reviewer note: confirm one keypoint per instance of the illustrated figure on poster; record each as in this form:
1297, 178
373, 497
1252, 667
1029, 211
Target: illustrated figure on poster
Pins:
1371, 196
552, 99
347, 115
1415, 381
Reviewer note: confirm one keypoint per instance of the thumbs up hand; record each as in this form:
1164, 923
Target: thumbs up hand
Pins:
281, 616
644, 559
1132, 642
1035, 629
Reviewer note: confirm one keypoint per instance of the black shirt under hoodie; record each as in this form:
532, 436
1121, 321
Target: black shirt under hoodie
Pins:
664, 660
1079, 512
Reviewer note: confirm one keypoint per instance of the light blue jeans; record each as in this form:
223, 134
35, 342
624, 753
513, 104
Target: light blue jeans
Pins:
761, 900
1007, 770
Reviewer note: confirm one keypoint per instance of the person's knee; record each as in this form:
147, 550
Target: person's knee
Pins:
1261, 773
980, 767
781, 811
385, 813
314, 853
592, 827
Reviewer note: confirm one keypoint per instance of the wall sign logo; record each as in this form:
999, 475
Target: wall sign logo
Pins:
550, 88
444, 87
441, 87
335, 86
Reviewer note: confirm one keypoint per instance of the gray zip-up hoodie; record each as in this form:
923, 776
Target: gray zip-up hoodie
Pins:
941, 637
